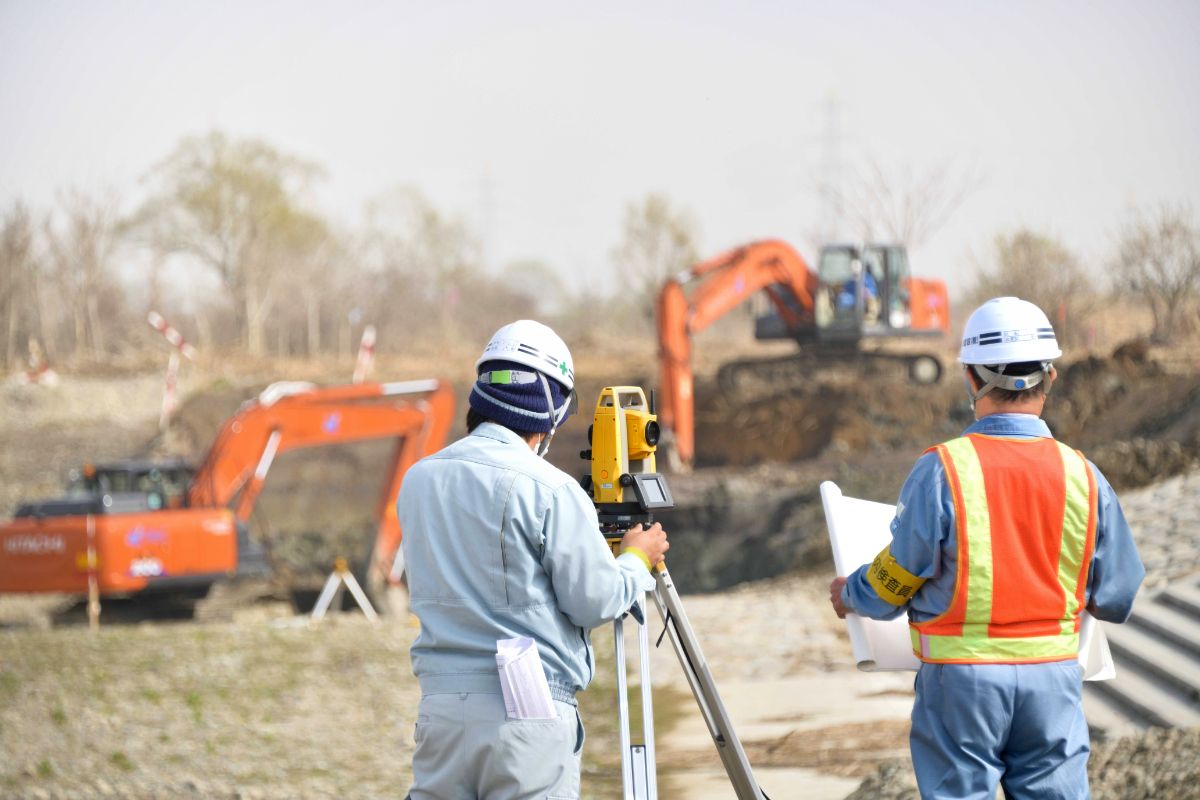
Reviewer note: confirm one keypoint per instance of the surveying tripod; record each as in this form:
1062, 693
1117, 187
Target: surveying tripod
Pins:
638, 769
626, 490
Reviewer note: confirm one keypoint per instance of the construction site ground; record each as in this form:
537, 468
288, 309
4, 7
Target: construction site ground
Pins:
267, 706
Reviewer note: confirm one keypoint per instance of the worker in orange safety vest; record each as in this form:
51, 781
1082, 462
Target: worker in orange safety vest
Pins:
1001, 538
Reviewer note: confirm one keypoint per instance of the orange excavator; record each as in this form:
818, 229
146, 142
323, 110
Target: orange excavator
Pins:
141, 526
857, 294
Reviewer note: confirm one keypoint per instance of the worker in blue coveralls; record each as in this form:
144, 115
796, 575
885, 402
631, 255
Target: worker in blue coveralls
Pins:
1001, 538
498, 543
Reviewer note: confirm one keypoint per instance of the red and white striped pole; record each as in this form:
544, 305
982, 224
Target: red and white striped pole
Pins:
171, 335
39, 372
170, 404
366, 354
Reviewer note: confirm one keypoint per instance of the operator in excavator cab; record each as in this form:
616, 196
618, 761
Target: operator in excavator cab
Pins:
862, 282
498, 545
1001, 538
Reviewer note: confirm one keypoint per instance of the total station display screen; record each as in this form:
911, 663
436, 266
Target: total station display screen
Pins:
652, 491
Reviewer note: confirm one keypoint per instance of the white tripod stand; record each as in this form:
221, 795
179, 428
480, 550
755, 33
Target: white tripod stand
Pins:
638, 770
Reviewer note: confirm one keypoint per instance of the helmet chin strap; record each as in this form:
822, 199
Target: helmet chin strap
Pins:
544, 445
994, 378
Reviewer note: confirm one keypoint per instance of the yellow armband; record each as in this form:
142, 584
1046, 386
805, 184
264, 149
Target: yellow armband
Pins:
637, 551
892, 582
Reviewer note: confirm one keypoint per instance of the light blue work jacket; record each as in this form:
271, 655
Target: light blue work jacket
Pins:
499, 543
924, 541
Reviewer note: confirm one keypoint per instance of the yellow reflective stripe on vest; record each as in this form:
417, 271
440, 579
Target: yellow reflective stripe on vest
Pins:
1076, 514
979, 532
979, 648
974, 645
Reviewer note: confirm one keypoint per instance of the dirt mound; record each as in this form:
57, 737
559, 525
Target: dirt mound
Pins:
840, 417
1137, 419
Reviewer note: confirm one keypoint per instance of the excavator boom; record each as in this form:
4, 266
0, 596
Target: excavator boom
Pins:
132, 550
724, 282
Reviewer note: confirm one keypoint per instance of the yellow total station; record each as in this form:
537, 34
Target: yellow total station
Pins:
624, 436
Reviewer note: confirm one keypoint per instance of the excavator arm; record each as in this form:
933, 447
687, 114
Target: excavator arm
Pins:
292, 416
130, 550
723, 283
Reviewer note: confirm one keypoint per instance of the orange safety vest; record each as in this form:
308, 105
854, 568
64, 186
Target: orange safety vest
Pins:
1025, 511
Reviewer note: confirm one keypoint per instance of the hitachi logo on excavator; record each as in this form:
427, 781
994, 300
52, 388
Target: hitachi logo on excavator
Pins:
35, 544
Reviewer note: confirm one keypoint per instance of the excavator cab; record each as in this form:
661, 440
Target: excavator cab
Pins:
118, 487
862, 292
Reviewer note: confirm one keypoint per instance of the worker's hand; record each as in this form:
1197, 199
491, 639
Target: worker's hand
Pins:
835, 597
652, 541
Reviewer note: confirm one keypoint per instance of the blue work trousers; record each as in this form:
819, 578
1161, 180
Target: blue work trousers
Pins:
1020, 725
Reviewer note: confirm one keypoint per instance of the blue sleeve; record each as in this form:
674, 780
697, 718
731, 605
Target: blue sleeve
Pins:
590, 586
1116, 572
922, 522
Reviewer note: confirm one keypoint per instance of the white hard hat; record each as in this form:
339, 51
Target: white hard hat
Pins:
1008, 330
535, 345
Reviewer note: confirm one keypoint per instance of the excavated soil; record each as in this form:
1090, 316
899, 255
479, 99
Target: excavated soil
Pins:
1138, 419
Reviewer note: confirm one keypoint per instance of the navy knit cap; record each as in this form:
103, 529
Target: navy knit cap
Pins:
518, 406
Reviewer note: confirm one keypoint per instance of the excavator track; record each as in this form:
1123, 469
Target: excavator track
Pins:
226, 597
770, 375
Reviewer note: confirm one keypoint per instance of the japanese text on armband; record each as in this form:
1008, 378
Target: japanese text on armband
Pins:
892, 582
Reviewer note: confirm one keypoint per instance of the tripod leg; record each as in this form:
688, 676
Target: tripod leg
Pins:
623, 708
651, 767
704, 689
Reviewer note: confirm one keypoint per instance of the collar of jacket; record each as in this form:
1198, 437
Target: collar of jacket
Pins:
490, 430
1010, 425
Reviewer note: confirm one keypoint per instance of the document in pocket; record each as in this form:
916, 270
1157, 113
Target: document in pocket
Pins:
526, 692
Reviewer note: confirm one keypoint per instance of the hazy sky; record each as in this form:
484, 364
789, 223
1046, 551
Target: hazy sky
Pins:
537, 122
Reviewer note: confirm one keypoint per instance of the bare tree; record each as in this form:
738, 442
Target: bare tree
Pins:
1040, 269
1158, 258
231, 204
424, 260
82, 237
906, 206
312, 254
18, 281
657, 241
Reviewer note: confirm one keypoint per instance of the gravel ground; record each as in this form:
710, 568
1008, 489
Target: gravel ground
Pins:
1165, 518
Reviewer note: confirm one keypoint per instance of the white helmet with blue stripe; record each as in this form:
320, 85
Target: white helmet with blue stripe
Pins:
1003, 331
